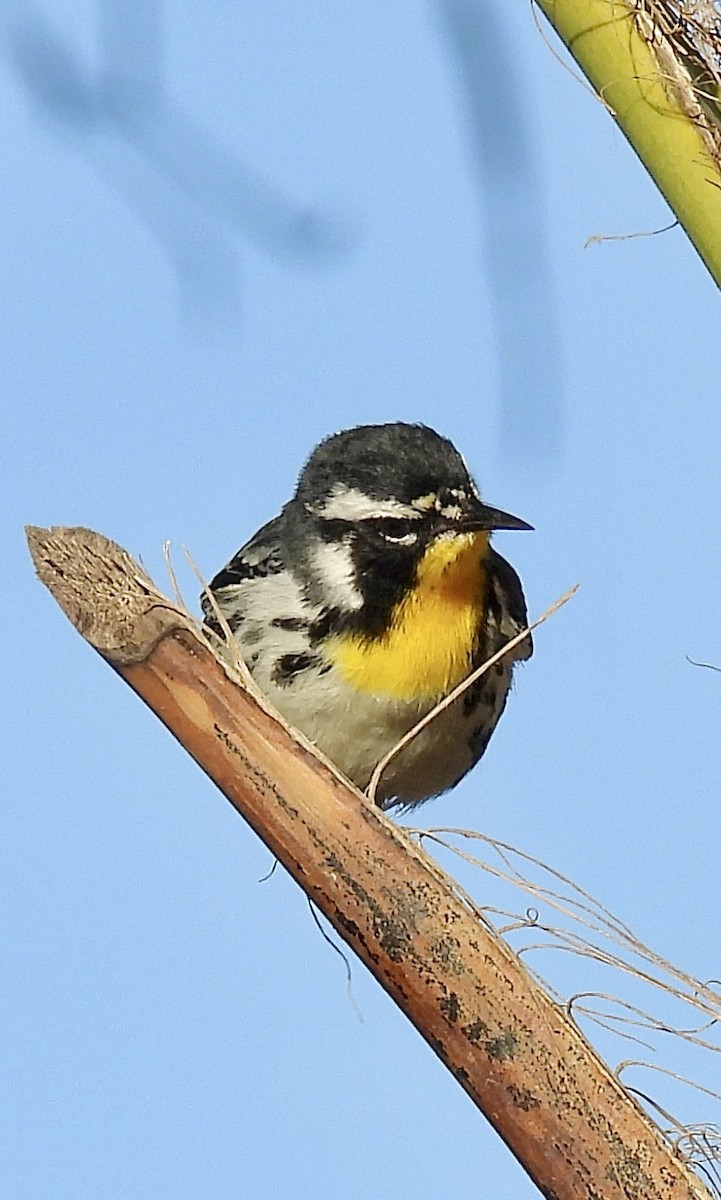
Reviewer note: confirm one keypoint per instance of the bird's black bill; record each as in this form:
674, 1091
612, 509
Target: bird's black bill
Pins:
484, 517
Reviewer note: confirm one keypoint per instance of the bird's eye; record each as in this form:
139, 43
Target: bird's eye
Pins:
398, 530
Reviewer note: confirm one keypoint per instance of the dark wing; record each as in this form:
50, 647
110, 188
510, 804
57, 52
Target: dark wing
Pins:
258, 558
507, 613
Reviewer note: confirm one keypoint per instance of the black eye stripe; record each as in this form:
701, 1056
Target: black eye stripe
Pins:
396, 527
334, 529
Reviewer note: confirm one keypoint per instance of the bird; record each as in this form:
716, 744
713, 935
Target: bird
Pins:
369, 598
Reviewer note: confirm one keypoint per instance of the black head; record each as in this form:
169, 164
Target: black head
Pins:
382, 462
395, 472
370, 501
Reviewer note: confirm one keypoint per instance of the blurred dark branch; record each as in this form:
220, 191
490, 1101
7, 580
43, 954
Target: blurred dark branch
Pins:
513, 236
127, 104
132, 44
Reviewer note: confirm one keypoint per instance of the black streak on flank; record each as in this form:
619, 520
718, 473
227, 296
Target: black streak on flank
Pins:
331, 621
253, 636
291, 624
290, 665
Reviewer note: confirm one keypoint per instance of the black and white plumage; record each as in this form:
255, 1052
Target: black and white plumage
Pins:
369, 597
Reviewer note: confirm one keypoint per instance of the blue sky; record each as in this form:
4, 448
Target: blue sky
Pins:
308, 234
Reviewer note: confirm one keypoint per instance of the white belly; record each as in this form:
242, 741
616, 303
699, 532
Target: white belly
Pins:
356, 729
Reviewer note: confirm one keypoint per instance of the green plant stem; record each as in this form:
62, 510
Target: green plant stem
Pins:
654, 112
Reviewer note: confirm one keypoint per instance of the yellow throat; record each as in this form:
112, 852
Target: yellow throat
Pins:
429, 644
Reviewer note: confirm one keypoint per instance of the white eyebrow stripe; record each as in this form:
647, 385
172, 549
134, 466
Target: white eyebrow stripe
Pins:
350, 504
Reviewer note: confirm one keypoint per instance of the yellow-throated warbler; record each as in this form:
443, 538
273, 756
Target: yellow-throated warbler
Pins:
370, 597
